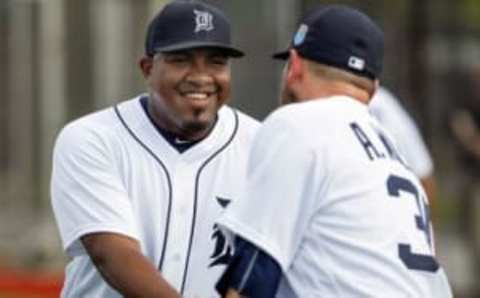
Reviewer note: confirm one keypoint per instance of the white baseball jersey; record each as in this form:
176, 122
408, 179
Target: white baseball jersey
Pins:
390, 113
328, 197
114, 172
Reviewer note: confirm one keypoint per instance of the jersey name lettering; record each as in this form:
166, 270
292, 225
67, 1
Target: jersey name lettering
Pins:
374, 152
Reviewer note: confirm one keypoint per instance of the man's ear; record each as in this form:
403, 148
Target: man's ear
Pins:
375, 87
295, 70
146, 65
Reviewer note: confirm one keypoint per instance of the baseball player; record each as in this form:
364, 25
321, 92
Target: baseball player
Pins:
136, 187
330, 209
386, 108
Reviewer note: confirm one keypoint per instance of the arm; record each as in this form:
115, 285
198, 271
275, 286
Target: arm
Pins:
120, 262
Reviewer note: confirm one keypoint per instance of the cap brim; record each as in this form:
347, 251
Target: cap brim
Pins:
230, 51
281, 55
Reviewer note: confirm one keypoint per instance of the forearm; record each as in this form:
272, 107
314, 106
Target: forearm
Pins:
122, 265
134, 276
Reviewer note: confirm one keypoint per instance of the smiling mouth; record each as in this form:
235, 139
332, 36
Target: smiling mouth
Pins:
197, 95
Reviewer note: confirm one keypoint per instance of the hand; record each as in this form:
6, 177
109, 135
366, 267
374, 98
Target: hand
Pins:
231, 293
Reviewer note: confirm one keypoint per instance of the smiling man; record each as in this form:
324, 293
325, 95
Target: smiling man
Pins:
187, 87
136, 188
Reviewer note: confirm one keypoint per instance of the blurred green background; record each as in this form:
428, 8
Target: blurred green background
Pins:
60, 59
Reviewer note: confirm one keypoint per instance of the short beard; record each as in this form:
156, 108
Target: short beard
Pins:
192, 128
197, 129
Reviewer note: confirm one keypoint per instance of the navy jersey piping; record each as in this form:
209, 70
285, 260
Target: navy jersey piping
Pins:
169, 182
197, 179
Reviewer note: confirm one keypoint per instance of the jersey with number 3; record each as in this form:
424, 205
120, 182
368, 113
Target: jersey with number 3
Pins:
335, 205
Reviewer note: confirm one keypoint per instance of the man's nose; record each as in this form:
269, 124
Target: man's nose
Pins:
200, 73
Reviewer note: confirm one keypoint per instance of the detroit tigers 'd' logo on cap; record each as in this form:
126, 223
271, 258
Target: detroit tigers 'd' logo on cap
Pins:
203, 21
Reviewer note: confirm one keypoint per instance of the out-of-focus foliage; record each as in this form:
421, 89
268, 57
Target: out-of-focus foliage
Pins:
471, 11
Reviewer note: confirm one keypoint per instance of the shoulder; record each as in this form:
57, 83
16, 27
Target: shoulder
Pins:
83, 140
94, 131
289, 122
289, 114
102, 122
315, 113
317, 123
88, 125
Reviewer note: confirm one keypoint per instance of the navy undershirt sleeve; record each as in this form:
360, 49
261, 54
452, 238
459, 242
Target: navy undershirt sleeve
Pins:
252, 272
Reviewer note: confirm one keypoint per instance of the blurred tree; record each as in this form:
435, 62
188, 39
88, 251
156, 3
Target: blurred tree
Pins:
418, 71
471, 9
51, 104
20, 110
79, 57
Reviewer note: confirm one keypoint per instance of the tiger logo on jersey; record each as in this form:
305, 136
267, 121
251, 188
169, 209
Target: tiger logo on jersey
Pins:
222, 252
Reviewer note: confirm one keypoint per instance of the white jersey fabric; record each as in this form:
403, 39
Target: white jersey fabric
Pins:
327, 200
114, 172
389, 112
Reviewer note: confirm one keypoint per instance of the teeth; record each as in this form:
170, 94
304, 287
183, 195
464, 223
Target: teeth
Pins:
197, 95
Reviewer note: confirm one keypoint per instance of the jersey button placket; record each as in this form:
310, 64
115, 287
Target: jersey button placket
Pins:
180, 223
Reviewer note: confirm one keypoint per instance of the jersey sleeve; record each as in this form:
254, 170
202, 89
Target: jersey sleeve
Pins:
414, 149
279, 197
86, 190
390, 113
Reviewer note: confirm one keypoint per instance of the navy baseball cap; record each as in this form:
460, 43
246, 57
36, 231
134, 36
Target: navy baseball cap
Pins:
188, 24
341, 37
